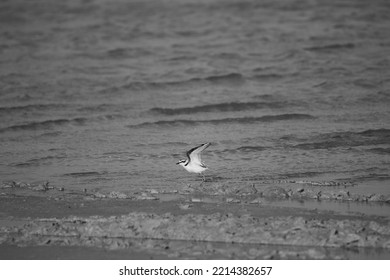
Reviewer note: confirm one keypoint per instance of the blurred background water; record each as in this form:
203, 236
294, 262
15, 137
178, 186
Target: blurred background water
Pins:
109, 95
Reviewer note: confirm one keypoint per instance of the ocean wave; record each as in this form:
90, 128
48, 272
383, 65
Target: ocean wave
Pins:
223, 78
251, 148
85, 174
240, 150
38, 161
377, 97
268, 77
44, 124
381, 132
347, 139
231, 78
331, 47
220, 107
99, 107
381, 151
162, 144
242, 120
30, 107
110, 117
121, 53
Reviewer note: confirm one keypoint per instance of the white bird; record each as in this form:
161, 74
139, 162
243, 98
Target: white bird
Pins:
194, 163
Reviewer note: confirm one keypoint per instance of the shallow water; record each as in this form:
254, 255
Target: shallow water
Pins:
340, 207
110, 96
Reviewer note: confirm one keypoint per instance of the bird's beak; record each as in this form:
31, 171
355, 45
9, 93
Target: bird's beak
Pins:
177, 162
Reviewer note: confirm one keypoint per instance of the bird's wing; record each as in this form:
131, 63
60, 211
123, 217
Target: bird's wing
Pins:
194, 154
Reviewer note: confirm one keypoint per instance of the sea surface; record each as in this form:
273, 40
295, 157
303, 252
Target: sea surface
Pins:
109, 95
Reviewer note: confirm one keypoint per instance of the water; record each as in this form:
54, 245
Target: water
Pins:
109, 96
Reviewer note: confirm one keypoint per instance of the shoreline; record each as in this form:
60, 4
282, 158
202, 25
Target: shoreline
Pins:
195, 224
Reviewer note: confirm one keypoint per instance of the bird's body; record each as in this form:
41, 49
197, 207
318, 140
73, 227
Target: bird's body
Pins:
194, 163
194, 167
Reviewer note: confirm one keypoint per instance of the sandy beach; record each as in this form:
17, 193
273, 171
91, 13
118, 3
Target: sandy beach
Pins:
190, 224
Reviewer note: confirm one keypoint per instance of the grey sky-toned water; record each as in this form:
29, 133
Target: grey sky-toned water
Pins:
109, 96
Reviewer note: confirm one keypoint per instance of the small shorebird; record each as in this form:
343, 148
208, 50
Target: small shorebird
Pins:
194, 163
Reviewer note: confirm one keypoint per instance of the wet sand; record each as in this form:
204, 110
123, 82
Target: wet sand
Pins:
203, 221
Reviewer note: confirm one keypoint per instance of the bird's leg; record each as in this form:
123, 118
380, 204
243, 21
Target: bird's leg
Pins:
204, 178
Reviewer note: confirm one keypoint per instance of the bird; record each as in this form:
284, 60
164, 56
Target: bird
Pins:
194, 163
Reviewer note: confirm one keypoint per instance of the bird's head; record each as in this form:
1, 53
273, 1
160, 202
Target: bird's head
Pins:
181, 162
